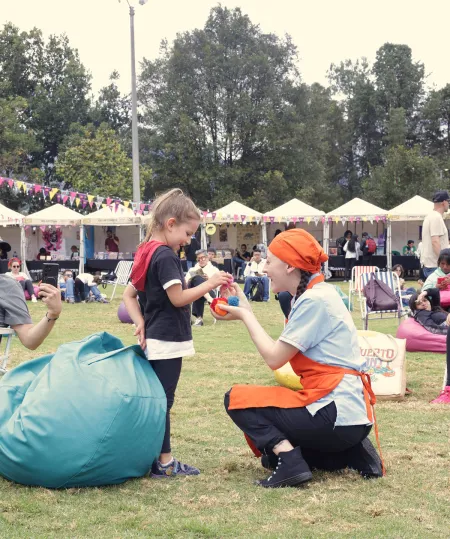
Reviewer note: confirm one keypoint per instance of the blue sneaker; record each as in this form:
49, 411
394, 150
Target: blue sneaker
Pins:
173, 469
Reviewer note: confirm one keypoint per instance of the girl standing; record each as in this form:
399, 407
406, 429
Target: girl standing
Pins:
351, 250
23, 279
324, 425
164, 325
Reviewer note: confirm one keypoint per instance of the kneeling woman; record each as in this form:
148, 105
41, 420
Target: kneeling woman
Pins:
325, 425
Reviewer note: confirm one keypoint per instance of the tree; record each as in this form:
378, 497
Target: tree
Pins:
112, 107
405, 172
96, 164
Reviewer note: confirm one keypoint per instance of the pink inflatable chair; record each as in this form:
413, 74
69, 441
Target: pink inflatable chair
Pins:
445, 298
36, 292
418, 339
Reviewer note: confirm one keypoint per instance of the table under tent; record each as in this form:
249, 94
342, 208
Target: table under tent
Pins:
123, 223
358, 216
56, 229
10, 233
293, 214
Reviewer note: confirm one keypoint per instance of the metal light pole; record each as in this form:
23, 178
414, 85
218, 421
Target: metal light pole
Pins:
134, 122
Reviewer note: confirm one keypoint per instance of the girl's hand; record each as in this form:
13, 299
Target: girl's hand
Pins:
140, 334
442, 285
234, 313
219, 279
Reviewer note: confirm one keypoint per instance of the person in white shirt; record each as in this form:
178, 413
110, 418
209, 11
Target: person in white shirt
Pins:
196, 276
21, 277
351, 250
85, 283
434, 233
253, 273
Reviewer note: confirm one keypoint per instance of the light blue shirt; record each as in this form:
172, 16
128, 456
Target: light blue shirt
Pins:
321, 327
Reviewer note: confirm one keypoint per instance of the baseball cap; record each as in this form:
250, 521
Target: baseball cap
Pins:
441, 196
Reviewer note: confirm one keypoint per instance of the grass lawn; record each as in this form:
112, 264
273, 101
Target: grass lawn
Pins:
413, 500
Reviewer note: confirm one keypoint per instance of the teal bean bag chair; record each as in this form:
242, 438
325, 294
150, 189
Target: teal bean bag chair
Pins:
91, 414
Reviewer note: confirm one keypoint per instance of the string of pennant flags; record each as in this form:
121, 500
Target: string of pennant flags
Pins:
73, 198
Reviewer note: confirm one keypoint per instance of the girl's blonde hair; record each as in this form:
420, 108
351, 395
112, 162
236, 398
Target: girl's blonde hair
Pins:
173, 204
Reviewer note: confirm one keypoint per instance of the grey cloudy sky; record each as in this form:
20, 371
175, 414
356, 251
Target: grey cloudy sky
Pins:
324, 31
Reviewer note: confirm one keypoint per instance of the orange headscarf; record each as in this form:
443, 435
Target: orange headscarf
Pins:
299, 249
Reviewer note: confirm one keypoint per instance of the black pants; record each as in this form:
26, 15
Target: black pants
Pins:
168, 371
350, 263
267, 427
198, 306
28, 286
80, 290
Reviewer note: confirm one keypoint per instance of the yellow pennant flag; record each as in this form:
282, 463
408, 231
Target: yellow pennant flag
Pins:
336, 220
19, 185
308, 220
104, 205
126, 203
77, 201
90, 198
53, 192
278, 219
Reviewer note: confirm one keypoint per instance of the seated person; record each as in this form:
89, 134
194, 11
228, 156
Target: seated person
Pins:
241, 257
253, 273
409, 249
14, 312
85, 284
426, 310
67, 287
406, 292
25, 282
440, 278
260, 247
197, 275
5, 248
75, 252
43, 254
211, 256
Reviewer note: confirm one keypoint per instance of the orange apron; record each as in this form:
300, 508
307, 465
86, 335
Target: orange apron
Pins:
318, 380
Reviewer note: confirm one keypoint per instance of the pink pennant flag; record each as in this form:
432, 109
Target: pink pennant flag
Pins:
108, 201
294, 220
142, 207
37, 188
73, 194
352, 219
1, 180
358, 219
377, 218
236, 217
65, 199
83, 204
43, 227
11, 183
323, 219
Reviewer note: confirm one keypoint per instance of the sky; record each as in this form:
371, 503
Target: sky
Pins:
325, 32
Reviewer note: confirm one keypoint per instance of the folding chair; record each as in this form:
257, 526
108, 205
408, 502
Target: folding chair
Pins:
355, 281
392, 281
8, 334
123, 272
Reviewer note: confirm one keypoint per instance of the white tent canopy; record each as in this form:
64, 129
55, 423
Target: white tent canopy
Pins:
414, 209
357, 208
54, 215
227, 214
112, 216
9, 217
294, 208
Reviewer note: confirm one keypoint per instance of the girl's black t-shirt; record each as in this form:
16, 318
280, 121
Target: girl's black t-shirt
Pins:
164, 321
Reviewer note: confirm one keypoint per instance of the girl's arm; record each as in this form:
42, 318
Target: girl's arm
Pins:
132, 306
179, 297
275, 353
433, 295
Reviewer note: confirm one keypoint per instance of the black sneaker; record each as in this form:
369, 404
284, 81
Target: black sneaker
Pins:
290, 471
269, 462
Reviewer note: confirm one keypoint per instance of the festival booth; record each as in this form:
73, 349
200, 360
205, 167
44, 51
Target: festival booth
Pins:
358, 216
56, 228
406, 224
229, 227
124, 223
10, 233
294, 213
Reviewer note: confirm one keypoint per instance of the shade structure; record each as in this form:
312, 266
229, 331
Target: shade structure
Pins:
111, 216
54, 215
294, 209
414, 209
356, 208
234, 212
9, 217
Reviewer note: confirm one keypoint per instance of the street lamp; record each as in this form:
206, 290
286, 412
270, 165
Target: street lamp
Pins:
134, 124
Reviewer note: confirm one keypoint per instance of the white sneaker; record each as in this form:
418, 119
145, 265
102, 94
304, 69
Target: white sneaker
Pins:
33, 299
198, 322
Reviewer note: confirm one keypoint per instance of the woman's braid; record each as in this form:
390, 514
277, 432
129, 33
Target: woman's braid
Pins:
302, 285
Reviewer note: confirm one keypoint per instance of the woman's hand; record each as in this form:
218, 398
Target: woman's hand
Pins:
442, 285
140, 334
51, 296
220, 278
234, 313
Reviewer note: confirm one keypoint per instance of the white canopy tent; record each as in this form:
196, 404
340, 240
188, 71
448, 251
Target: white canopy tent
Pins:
116, 216
362, 216
11, 231
55, 216
234, 213
297, 212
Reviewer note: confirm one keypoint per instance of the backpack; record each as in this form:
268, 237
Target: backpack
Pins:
379, 296
257, 291
371, 246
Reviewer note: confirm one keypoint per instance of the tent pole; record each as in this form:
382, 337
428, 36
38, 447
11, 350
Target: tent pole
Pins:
389, 245
203, 240
264, 234
23, 249
82, 254
326, 234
